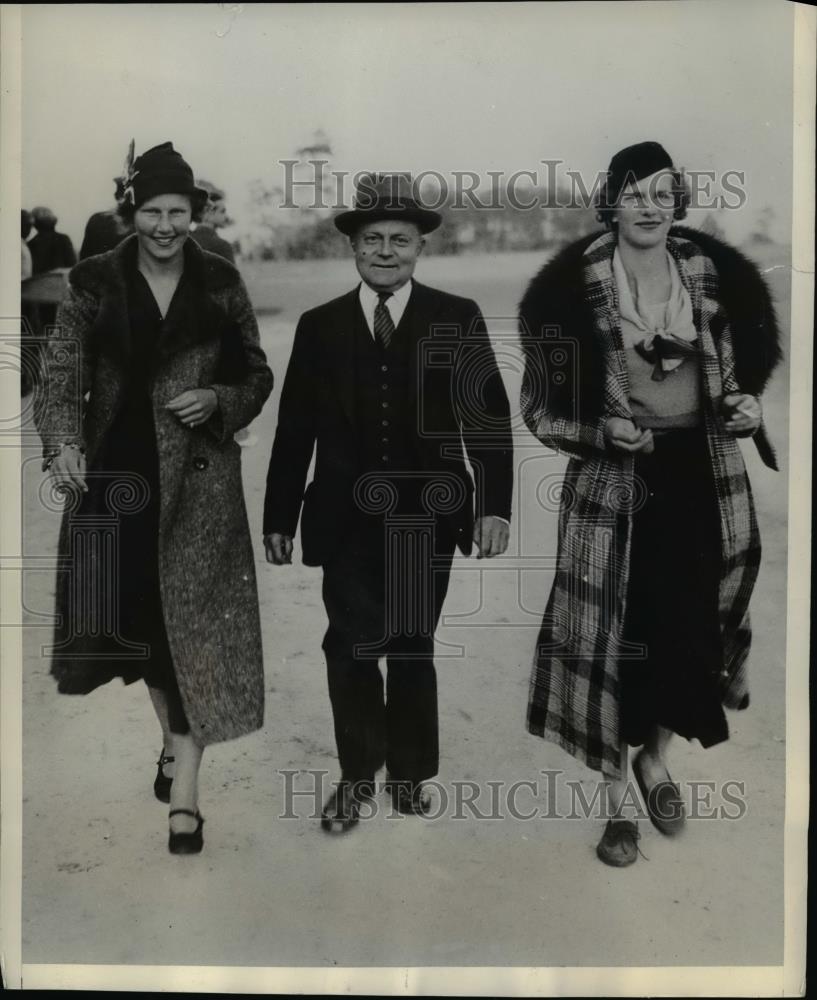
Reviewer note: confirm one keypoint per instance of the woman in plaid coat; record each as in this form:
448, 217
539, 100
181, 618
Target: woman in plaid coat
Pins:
646, 350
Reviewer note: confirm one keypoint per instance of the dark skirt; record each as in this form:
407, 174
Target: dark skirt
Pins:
671, 678
129, 578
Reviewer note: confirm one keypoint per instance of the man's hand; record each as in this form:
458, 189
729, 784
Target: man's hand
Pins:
742, 414
278, 548
193, 406
624, 435
490, 536
68, 468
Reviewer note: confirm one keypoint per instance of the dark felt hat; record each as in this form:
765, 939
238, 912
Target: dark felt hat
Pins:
631, 164
386, 196
160, 170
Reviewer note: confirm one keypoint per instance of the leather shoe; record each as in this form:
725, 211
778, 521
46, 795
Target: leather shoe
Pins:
342, 809
409, 798
618, 846
186, 843
161, 784
665, 805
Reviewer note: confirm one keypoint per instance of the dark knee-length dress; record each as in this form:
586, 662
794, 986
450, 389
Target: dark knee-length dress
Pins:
129, 455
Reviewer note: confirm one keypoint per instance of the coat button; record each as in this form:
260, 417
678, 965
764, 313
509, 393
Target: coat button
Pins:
200, 463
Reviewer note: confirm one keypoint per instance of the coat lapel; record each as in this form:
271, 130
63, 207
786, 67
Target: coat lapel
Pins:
196, 319
342, 351
424, 307
602, 297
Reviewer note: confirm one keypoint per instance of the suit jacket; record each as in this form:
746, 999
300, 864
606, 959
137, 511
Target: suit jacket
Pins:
103, 232
50, 249
458, 406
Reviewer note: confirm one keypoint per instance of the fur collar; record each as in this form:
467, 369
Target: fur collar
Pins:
201, 319
557, 299
102, 272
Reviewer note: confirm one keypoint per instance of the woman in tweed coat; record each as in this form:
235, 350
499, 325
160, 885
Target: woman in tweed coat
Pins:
154, 365
646, 349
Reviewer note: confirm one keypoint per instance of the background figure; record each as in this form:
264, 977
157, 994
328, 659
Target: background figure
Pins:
103, 231
176, 368
385, 448
646, 631
213, 218
26, 264
29, 355
49, 249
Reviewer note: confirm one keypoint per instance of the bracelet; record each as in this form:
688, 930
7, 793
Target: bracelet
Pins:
49, 458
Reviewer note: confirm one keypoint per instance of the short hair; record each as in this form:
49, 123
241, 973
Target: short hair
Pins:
25, 223
607, 202
213, 193
126, 209
43, 218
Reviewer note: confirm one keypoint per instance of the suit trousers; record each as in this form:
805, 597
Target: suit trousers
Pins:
383, 590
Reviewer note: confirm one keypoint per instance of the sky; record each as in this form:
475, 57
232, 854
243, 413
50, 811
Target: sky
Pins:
238, 87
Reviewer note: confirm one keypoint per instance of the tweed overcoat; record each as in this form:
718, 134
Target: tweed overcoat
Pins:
206, 565
575, 379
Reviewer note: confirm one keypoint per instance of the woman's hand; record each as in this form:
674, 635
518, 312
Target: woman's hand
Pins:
68, 468
624, 435
194, 406
742, 415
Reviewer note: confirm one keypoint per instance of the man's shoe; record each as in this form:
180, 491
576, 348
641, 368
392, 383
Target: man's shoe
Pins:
409, 798
342, 809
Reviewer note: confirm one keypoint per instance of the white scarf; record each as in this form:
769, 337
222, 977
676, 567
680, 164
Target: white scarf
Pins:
667, 344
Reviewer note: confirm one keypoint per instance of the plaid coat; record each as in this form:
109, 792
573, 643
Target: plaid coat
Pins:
575, 379
206, 562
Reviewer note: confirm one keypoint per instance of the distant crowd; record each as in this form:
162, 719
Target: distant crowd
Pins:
46, 251
50, 250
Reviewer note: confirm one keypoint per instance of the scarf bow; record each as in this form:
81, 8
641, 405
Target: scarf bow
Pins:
665, 344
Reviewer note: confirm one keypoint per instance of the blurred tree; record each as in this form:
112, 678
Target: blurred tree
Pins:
712, 226
762, 233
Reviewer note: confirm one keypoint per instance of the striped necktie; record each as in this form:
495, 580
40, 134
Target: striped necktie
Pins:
383, 324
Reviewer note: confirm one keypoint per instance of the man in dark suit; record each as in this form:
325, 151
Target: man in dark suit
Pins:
103, 231
390, 381
49, 249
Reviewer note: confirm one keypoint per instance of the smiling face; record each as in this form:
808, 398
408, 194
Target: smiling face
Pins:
645, 211
162, 225
386, 253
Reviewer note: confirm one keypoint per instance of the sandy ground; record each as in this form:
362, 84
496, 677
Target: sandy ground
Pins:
99, 885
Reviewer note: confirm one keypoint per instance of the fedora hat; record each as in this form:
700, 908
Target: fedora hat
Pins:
386, 196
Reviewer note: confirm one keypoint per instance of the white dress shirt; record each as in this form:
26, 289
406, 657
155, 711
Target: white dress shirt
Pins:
396, 303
